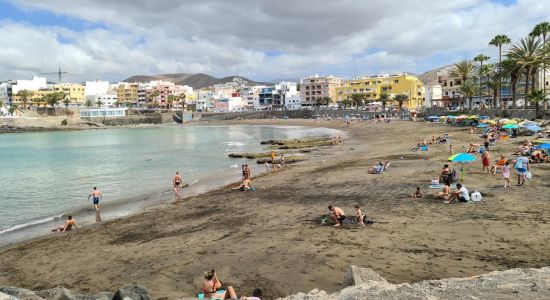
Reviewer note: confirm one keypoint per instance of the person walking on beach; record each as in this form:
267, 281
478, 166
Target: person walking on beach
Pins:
177, 181
273, 156
96, 194
522, 167
360, 216
337, 215
506, 174
486, 160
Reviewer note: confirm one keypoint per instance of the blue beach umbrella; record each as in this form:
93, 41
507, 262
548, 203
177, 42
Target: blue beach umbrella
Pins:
543, 146
433, 117
510, 126
482, 125
534, 128
484, 117
462, 158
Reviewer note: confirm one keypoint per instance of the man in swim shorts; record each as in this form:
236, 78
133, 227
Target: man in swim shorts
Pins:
177, 181
337, 215
96, 194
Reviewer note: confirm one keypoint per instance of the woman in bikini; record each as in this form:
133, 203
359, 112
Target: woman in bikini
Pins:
210, 287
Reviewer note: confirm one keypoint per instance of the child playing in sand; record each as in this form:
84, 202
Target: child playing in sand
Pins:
417, 194
360, 216
506, 174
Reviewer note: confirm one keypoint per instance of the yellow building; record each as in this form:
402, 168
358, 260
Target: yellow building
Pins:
373, 87
73, 91
32, 97
127, 92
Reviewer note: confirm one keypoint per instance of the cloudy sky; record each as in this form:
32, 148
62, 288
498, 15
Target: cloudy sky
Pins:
259, 39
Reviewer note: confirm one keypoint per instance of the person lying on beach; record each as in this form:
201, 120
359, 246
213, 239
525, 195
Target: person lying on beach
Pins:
417, 194
68, 225
360, 216
337, 215
257, 294
246, 185
446, 191
377, 169
461, 195
212, 284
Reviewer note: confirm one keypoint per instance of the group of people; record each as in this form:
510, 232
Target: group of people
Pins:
212, 288
338, 216
96, 196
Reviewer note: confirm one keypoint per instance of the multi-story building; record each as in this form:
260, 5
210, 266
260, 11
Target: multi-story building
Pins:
75, 92
450, 87
96, 88
205, 99
11, 88
250, 96
316, 87
107, 100
127, 93
293, 102
282, 91
265, 97
433, 96
373, 86
164, 89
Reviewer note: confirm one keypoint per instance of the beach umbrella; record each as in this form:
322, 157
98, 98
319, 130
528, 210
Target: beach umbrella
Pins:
492, 122
510, 126
482, 125
484, 117
462, 158
510, 122
545, 146
534, 128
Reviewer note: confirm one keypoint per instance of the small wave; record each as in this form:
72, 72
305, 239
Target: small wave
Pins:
239, 144
234, 166
29, 224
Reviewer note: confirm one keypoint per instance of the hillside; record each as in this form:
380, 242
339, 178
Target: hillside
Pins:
196, 81
429, 78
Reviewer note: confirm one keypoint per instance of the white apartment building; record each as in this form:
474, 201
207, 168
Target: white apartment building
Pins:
293, 102
433, 96
96, 88
35, 84
282, 91
107, 100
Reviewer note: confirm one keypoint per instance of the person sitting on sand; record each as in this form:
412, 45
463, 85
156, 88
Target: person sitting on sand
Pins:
68, 225
433, 140
461, 195
257, 294
377, 169
386, 164
246, 185
210, 287
445, 173
446, 191
337, 215
417, 194
360, 216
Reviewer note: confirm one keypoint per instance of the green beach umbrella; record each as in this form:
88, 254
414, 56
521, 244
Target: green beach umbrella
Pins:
462, 158
510, 126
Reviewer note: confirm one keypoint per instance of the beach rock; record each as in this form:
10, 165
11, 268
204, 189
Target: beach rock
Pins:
20, 293
7, 297
58, 293
357, 276
131, 291
510, 284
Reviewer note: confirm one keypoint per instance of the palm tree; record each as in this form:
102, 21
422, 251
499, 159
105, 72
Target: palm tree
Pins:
66, 102
24, 96
384, 99
493, 84
89, 103
538, 97
99, 103
12, 109
38, 101
528, 55
498, 41
481, 58
401, 98
357, 98
463, 69
54, 98
511, 69
324, 101
542, 30
469, 89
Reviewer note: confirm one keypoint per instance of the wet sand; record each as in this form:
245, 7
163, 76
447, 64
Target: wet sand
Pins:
271, 238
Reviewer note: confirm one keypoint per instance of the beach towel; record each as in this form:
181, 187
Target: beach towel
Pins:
424, 148
220, 295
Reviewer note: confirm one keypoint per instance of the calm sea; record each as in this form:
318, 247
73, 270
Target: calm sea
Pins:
47, 174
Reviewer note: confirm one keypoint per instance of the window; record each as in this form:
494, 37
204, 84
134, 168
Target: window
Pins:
446, 93
451, 83
458, 82
396, 81
307, 88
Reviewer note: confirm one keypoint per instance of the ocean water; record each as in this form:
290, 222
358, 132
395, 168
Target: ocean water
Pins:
48, 174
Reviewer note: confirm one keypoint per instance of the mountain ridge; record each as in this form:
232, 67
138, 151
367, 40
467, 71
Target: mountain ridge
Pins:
194, 80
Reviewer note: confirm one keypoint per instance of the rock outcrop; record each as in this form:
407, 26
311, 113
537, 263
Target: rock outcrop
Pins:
511, 284
127, 292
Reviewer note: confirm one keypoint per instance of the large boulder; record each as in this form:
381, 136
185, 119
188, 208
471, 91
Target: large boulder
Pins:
20, 293
7, 297
357, 276
132, 292
58, 293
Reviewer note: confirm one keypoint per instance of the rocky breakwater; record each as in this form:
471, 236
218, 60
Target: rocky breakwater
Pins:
127, 292
364, 283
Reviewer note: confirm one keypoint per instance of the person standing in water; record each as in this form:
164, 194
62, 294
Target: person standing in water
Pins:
177, 181
96, 194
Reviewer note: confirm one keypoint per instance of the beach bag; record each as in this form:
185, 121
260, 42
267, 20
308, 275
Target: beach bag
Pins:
476, 196
528, 175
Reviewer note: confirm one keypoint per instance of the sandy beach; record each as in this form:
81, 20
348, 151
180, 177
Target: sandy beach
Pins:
272, 238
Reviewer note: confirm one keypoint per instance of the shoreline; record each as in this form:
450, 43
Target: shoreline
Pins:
271, 238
